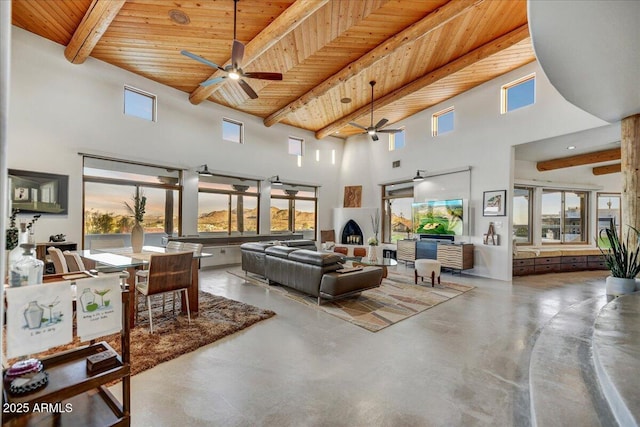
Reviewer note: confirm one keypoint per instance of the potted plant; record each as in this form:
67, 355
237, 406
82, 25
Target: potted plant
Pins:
622, 259
138, 211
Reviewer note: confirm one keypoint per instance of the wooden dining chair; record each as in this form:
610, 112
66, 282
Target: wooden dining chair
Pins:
174, 246
169, 272
341, 250
58, 260
361, 252
74, 261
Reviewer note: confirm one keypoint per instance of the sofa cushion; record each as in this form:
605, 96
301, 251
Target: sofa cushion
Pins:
279, 251
312, 257
255, 246
300, 244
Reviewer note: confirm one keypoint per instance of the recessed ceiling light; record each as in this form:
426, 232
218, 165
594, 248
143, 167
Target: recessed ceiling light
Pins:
179, 17
571, 147
345, 100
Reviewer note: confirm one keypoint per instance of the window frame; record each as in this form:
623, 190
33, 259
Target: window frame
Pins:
292, 210
585, 220
504, 92
530, 210
392, 140
229, 194
240, 131
154, 102
435, 117
606, 194
138, 185
299, 140
386, 200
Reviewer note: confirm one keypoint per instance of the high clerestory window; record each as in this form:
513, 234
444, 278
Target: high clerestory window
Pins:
139, 103
228, 205
442, 121
518, 93
396, 140
109, 185
232, 131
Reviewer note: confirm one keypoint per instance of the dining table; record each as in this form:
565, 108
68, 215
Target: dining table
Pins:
123, 258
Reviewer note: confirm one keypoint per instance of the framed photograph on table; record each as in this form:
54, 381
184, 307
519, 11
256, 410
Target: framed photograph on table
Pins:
494, 203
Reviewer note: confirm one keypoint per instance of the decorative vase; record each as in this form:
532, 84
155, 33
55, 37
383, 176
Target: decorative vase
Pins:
373, 255
616, 286
137, 238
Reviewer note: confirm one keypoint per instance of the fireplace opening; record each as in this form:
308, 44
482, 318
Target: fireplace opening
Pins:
351, 234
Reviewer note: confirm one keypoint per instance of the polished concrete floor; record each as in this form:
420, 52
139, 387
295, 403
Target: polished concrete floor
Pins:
461, 363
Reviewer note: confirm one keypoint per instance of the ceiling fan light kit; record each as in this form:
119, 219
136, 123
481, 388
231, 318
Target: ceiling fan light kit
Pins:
234, 70
374, 130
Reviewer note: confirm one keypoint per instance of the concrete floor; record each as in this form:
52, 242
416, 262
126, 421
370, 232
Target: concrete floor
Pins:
461, 363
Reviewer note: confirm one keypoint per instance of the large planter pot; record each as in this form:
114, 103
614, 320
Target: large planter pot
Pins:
137, 238
619, 286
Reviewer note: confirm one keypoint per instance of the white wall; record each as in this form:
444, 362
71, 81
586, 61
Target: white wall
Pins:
59, 109
483, 139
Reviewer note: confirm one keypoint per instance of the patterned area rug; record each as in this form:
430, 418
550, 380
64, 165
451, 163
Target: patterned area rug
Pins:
396, 299
173, 335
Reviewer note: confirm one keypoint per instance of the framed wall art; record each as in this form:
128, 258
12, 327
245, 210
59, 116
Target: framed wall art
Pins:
38, 192
353, 196
494, 203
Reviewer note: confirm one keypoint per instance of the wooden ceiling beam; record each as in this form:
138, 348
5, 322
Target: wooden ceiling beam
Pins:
95, 22
462, 62
603, 170
580, 159
286, 22
428, 24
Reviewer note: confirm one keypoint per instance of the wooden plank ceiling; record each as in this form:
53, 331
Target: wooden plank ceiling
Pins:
420, 52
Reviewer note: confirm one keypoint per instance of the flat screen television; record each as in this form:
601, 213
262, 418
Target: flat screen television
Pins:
438, 217
38, 192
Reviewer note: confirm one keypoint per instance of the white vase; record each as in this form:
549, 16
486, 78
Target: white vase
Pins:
616, 286
373, 255
137, 238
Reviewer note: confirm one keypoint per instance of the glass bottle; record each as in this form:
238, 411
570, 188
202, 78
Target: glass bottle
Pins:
33, 315
27, 270
87, 300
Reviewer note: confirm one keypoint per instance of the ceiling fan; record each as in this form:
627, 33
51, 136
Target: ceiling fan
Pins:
234, 70
373, 130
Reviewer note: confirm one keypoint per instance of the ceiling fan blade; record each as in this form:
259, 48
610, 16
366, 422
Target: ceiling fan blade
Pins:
245, 86
381, 123
374, 137
389, 130
213, 81
357, 125
201, 59
237, 52
263, 75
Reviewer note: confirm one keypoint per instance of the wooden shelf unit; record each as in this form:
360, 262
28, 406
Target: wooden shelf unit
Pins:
406, 250
456, 257
91, 402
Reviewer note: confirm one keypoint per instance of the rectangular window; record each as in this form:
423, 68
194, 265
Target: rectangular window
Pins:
442, 122
232, 131
564, 216
228, 205
518, 94
294, 209
396, 140
296, 146
109, 184
522, 214
139, 103
396, 220
608, 210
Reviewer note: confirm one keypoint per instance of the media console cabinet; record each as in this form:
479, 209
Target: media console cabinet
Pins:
529, 261
453, 256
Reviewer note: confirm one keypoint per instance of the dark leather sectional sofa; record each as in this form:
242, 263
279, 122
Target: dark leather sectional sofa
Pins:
315, 273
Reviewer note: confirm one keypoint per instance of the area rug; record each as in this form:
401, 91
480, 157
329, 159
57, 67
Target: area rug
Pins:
174, 336
396, 299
